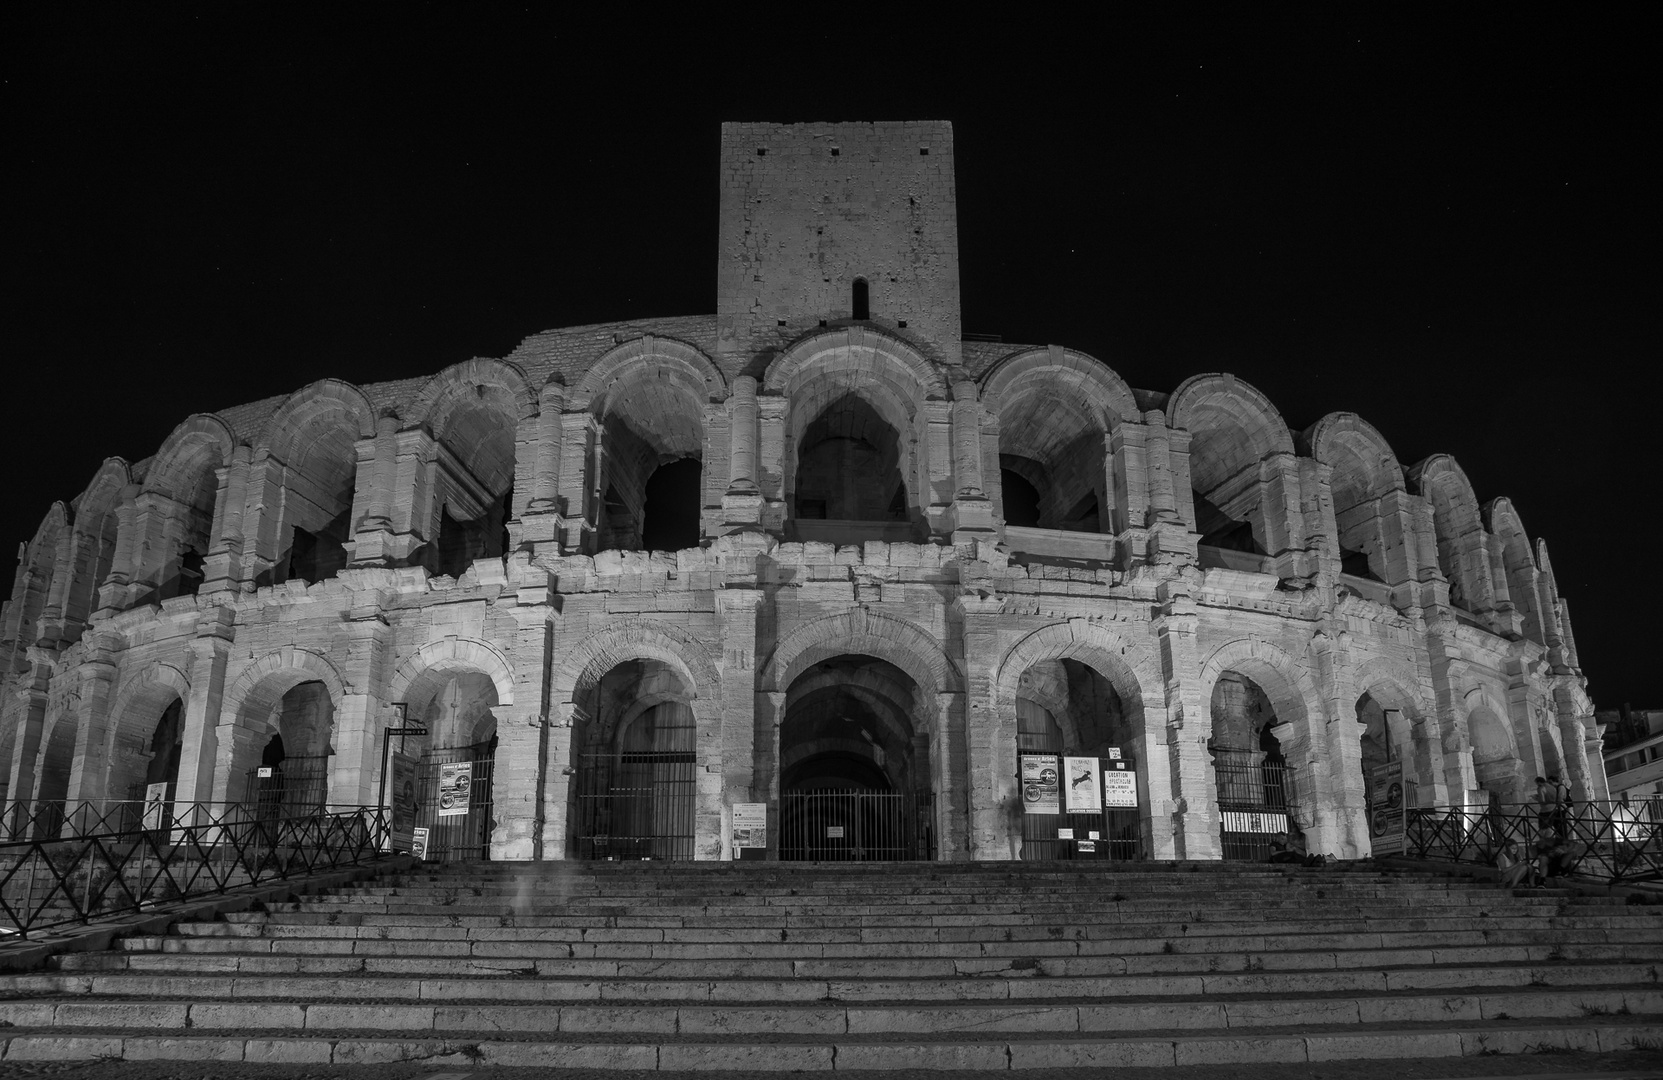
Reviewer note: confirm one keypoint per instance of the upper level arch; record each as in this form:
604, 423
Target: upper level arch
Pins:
1463, 551
173, 525
1233, 428
867, 633
863, 351
32, 587
635, 639
1054, 408
86, 560
425, 672
1363, 471
1518, 563
314, 435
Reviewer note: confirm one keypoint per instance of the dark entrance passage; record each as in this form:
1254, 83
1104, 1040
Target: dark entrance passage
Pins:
854, 777
1252, 777
452, 836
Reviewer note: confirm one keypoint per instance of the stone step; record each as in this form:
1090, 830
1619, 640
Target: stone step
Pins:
1048, 1051
834, 1018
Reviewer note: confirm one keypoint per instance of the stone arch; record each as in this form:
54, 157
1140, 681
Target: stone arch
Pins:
1518, 563
258, 690
1363, 471
436, 661
1463, 555
1496, 759
32, 588
137, 707
448, 391
89, 556
651, 399
867, 633
850, 383
1055, 407
1555, 622
1233, 429
1393, 686
176, 510
201, 443
1091, 644
287, 427
314, 434
635, 639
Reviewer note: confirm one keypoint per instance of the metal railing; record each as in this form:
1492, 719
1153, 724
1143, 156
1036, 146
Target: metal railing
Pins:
1612, 842
48, 882
855, 826
57, 819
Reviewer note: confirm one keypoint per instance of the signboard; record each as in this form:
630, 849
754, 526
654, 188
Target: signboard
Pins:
418, 843
750, 826
1065, 834
264, 772
1039, 784
1086, 847
1082, 792
455, 781
1120, 786
834, 832
1237, 821
1114, 753
401, 794
155, 806
1386, 806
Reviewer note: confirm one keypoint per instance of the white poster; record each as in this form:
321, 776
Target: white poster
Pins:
418, 842
1082, 793
1039, 784
750, 826
1120, 787
401, 792
1386, 809
455, 781
155, 806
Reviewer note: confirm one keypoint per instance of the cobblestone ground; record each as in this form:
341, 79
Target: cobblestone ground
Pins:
1634, 1065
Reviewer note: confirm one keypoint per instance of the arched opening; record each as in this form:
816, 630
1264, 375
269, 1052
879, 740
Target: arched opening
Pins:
860, 302
849, 465
475, 487
52, 793
670, 520
292, 777
453, 765
1068, 709
317, 505
1494, 762
634, 792
1021, 497
1053, 420
1254, 788
854, 767
148, 753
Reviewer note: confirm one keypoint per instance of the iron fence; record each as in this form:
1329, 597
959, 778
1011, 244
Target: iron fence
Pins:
1612, 842
52, 882
1252, 802
855, 826
635, 805
51, 819
452, 835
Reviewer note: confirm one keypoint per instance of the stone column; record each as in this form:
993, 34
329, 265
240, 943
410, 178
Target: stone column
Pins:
89, 773
578, 438
774, 460
355, 772
199, 738
736, 613
972, 510
522, 765
537, 471
1184, 826
221, 570
31, 690
989, 775
373, 542
742, 502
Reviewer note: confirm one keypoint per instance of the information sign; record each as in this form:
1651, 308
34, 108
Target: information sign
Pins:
1120, 787
1040, 784
750, 826
418, 843
401, 793
834, 832
1386, 809
155, 805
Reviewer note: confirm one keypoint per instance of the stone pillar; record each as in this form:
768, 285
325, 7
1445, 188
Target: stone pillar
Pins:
736, 613
1185, 826
989, 777
765, 780
523, 766
413, 504
199, 738
32, 687
774, 460
952, 812
537, 454
355, 772
373, 542
578, 438
263, 523
221, 570
1593, 752
127, 576
742, 502
972, 510
89, 773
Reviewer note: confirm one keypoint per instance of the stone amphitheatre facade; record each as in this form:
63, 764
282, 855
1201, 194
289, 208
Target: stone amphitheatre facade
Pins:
819, 540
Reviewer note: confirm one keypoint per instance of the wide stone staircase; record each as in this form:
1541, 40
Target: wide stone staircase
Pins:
771, 966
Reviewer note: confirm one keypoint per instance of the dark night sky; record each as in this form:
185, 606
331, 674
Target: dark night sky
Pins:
1435, 221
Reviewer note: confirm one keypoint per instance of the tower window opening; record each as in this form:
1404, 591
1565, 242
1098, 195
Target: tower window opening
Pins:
862, 304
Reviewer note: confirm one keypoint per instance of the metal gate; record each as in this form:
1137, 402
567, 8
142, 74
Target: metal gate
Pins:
294, 787
1252, 801
637, 804
855, 826
456, 836
1114, 833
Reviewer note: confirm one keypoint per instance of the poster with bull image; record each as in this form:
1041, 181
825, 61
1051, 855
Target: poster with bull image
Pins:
455, 782
1082, 789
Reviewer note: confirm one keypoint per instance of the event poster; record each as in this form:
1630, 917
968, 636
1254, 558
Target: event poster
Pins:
418, 843
1386, 809
1082, 791
1039, 784
750, 826
1120, 786
401, 793
455, 781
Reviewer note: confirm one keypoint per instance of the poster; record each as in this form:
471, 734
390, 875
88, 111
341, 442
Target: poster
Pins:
1386, 809
401, 793
1120, 787
750, 826
418, 843
1082, 793
1039, 784
155, 806
455, 781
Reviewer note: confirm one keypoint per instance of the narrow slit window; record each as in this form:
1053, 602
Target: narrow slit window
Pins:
862, 305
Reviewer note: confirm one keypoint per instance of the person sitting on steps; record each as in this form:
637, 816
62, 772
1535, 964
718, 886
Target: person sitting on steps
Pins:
1291, 847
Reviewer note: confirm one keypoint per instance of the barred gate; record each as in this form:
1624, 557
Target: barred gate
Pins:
456, 836
1252, 802
856, 826
291, 788
637, 804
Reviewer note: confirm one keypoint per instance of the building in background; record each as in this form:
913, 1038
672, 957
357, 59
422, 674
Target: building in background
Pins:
1633, 740
817, 556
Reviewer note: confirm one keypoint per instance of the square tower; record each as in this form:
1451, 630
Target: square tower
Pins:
837, 222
